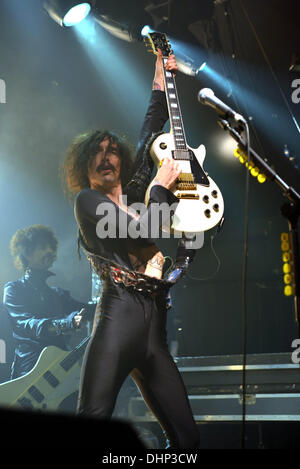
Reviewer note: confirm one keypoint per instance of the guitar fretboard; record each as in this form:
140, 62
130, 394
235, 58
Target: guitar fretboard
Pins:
176, 122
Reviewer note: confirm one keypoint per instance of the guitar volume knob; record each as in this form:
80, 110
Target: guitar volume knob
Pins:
206, 199
216, 207
207, 213
214, 194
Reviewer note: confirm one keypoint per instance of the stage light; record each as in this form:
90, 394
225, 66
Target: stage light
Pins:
191, 59
76, 14
202, 67
146, 30
254, 170
67, 13
129, 31
288, 265
224, 145
261, 178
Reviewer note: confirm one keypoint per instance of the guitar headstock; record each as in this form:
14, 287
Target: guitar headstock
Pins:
155, 41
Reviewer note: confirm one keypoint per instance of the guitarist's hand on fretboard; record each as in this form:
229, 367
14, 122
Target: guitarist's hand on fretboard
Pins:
170, 65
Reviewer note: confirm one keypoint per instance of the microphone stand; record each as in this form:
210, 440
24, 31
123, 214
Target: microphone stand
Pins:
289, 210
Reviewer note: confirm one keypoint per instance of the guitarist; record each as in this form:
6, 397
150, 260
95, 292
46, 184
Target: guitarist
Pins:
40, 316
130, 337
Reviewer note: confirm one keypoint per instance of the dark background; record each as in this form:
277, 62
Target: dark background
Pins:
58, 86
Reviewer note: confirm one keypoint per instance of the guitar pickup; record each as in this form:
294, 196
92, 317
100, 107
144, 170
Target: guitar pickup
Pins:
187, 195
36, 394
24, 402
182, 155
185, 186
51, 379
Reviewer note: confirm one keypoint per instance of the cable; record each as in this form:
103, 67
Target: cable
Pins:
244, 291
270, 66
172, 263
235, 30
218, 262
230, 19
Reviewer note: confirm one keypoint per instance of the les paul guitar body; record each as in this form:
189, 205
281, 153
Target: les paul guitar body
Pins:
201, 205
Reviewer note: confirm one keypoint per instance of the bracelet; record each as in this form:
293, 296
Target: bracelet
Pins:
60, 326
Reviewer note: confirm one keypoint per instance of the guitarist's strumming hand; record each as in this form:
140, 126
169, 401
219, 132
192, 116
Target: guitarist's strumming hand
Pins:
168, 173
171, 66
66, 325
78, 318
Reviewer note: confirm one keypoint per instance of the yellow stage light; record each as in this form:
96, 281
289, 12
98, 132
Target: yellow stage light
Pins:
288, 290
286, 257
288, 278
288, 265
261, 178
254, 170
287, 268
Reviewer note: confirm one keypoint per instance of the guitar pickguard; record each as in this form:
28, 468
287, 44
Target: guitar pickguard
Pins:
199, 175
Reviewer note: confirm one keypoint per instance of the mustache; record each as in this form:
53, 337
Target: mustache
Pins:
104, 166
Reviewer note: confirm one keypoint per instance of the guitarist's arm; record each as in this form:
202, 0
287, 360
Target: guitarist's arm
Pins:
155, 119
26, 324
158, 82
70, 304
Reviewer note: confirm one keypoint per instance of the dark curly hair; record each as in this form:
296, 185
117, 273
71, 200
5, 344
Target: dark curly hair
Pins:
80, 154
25, 240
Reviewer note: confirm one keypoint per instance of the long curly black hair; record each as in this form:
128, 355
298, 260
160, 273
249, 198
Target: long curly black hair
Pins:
80, 154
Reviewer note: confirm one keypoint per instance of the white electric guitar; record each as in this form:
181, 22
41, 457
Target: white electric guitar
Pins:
201, 204
53, 378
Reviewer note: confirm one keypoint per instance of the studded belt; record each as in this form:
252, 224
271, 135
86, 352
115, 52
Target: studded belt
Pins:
130, 279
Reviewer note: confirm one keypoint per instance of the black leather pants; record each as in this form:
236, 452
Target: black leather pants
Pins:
131, 339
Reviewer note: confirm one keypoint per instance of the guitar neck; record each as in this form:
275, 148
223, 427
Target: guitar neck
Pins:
176, 122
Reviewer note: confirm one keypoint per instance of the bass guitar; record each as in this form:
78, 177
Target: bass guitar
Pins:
54, 377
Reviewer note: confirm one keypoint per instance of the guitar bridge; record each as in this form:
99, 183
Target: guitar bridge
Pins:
187, 195
186, 177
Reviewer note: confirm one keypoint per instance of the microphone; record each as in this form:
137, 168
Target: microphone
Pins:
207, 96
